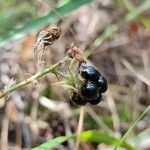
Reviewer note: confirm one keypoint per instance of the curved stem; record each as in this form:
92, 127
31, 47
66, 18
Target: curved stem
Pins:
33, 78
131, 128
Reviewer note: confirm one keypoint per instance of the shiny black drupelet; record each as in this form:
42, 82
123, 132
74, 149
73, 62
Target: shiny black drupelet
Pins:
102, 84
89, 73
95, 100
77, 99
92, 88
89, 90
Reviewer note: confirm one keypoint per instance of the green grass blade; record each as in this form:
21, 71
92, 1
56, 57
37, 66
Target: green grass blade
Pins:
145, 21
111, 29
39, 22
131, 128
97, 137
87, 136
139, 10
136, 12
53, 143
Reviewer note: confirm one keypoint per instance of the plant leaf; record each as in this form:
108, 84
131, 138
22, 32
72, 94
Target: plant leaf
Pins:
97, 137
131, 128
52, 143
136, 11
145, 5
145, 21
87, 136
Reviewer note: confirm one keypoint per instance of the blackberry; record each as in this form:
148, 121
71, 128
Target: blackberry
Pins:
89, 73
102, 84
95, 100
77, 99
89, 90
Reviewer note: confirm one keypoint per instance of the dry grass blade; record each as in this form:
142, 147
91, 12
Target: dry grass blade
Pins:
115, 117
138, 75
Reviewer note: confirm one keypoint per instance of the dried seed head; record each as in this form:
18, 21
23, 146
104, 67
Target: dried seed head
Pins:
45, 38
55, 32
76, 53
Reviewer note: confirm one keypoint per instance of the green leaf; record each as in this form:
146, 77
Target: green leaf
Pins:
136, 12
87, 136
52, 17
145, 21
139, 10
97, 137
53, 143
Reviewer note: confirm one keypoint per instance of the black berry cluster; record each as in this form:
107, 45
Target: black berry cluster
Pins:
93, 87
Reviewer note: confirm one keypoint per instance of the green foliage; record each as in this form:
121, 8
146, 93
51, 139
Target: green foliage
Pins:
53, 143
89, 123
108, 120
97, 137
135, 12
145, 5
147, 110
125, 114
18, 14
51, 17
145, 21
48, 92
87, 136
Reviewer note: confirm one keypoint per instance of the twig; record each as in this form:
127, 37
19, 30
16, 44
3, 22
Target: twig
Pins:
80, 126
33, 78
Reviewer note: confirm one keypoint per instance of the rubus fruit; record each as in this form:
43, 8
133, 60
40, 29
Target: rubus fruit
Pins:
95, 100
102, 84
89, 73
89, 90
77, 99
92, 88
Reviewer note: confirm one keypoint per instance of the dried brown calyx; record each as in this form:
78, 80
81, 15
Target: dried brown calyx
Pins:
55, 32
76, 53
47, 37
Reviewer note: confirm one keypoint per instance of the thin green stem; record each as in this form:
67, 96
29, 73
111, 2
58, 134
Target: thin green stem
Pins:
131, 128
71, 66
33, 78
61, 74
65, 85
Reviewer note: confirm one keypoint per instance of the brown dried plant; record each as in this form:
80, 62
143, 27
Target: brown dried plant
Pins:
76, 53
45, 38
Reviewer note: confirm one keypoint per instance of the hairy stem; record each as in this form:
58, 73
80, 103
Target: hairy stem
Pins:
33, 78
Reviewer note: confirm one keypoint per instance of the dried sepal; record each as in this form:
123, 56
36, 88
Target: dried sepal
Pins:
76, 53
45, 38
